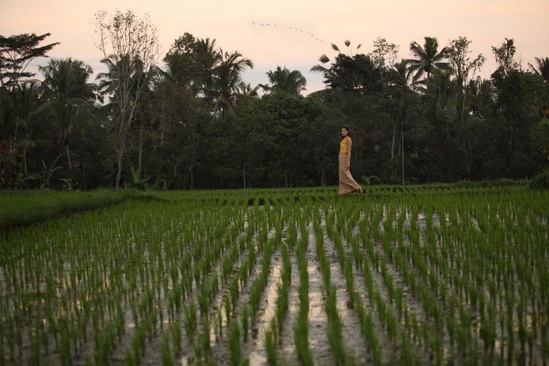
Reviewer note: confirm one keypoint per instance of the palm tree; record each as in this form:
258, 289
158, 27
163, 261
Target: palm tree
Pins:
284, 80
349, 48
207, 58
248, 90
107, 80
20, 112
481, 95
442, 90
400, 73
228, 85
329, 72
69, 99
428, 59
136, 88
68, 78
542, 68
190, 63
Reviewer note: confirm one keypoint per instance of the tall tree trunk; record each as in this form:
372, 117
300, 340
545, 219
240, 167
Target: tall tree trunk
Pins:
118, 171
322, 175
244, 174
68, 154
120, 151
393, 144
402, 153
463, 137
25, 168
140, 154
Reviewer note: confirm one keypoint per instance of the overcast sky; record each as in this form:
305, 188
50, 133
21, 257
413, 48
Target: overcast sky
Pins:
293, 33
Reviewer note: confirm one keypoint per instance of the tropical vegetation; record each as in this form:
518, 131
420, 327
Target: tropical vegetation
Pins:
192, 121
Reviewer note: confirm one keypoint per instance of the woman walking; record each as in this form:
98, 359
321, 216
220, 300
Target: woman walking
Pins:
346, 182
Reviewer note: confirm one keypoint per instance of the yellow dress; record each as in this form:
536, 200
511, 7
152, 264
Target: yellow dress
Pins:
347, 184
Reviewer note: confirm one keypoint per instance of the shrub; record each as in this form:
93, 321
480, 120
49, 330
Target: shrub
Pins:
540, 181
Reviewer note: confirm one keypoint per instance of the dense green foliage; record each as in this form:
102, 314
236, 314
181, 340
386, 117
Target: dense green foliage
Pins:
197, 124
540, 181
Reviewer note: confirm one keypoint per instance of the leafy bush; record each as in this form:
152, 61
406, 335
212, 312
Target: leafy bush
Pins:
540, 181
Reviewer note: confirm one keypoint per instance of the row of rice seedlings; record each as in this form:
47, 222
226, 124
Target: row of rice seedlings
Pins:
438, 266
204, 262
334, 326
395, 295
399, 333
515, 276
143, 274
274, 326
271, 235
274, 331
236, 266
293, 218
463, 304
343, 230
434, 275
430, 280
260, 282
398, 327
284, 290
235, 281
234, 278
444, 276
60, 296
301, 329
496, 265
235, 273
421, 330
154, 314
488, 270
148, 318
138, 277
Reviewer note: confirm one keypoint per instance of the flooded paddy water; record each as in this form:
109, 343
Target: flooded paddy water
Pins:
302, 276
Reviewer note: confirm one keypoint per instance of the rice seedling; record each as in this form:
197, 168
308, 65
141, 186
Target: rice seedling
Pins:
434, 274
165, 352
176, 338
301, 329
235, 343
271, 341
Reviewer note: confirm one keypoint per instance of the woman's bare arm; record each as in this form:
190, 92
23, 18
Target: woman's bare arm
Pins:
349, 147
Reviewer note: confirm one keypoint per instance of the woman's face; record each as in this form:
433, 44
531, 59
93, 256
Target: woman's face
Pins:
344, 132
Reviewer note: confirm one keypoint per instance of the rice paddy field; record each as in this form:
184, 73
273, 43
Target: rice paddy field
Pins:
424, 275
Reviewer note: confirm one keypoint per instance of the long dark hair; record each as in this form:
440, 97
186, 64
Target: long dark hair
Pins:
348, 131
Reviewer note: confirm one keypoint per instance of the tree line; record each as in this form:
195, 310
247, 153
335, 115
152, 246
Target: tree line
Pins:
194, 123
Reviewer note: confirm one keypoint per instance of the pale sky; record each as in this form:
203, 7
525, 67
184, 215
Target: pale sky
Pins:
299, 31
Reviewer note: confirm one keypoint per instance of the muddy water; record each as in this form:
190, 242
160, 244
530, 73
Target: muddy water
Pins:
286, 342
257, 354
318, 340
253, 349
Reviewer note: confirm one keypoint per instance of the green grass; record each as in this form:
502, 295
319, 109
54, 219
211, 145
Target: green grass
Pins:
434, 272
20, 208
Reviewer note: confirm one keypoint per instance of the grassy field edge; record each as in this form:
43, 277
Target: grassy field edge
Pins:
22, 208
